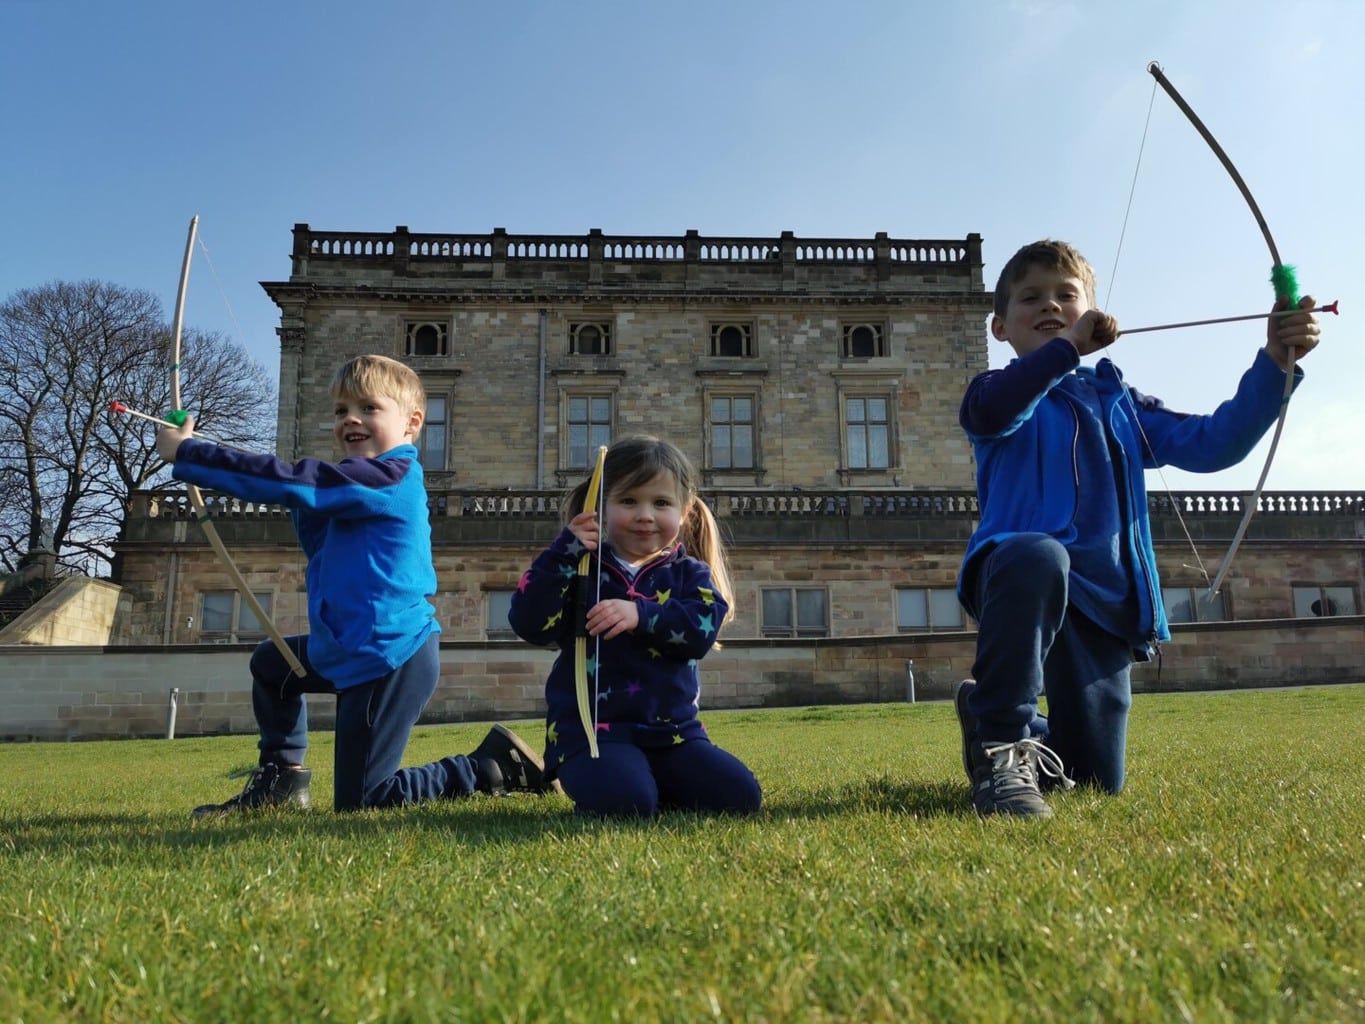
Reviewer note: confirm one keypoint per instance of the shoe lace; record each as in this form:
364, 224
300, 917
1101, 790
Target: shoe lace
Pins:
259, 781
1015, 767
1050, 764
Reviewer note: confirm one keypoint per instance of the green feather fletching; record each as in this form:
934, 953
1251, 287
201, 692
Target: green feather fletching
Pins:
179, 416
1286, 283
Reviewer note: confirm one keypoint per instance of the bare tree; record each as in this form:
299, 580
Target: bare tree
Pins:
67, 466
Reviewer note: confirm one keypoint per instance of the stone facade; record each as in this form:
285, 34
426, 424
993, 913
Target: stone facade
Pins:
826, 344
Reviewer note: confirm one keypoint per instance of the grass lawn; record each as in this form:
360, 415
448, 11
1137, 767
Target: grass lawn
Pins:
1227, 883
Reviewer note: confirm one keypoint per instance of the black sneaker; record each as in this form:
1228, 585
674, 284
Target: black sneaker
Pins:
504, 763
966, 721
270, 785
1005, 778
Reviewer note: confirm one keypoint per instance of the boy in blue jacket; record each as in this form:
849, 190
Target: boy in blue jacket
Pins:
373, 638
1060, 575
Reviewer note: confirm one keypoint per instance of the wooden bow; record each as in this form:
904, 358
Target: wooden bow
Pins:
587, 703
196, 498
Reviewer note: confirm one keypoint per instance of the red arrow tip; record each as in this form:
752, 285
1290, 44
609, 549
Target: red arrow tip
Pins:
117, 406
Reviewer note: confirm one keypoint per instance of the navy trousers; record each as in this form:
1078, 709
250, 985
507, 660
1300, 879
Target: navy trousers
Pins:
373, 723
1030, 641
631, 781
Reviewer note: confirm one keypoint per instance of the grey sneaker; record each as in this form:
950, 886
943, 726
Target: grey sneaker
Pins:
504, 763
270, 785
966, 721
1051, 774
1005, 778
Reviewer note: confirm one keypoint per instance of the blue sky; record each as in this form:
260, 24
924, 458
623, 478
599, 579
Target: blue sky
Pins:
1015, 119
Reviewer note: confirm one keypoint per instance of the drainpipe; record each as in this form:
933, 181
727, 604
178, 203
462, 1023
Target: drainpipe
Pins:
540, 400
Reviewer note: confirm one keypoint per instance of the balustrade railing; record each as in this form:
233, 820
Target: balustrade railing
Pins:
791, 502
402, 244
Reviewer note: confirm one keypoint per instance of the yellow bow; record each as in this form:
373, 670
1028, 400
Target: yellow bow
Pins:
587, 711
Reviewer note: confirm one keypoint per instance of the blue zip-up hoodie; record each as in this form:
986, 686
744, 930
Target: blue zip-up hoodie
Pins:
647, 681
1058, 451
364, 526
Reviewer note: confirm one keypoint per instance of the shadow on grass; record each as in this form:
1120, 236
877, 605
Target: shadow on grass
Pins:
879, 796
471, 823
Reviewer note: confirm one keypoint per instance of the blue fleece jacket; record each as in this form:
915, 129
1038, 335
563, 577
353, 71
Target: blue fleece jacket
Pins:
1059, 451
363, 524
647, 681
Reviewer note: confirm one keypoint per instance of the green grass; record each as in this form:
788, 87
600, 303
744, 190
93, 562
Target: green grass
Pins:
1225, 884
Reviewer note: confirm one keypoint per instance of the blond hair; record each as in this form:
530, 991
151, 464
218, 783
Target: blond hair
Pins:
379, 375
636, 460
1050, 254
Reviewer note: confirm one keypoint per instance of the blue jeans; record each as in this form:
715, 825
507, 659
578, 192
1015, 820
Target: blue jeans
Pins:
1031, 642
631, 781
374, 721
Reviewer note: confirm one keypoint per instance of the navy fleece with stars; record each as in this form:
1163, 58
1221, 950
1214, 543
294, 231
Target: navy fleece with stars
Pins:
647, 682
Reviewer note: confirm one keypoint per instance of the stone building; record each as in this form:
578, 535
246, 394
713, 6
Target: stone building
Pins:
815, 383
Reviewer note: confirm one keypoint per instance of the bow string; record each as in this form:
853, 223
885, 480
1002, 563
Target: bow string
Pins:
1286, 289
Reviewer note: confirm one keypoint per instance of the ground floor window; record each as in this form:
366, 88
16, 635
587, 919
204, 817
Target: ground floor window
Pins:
795, 611
1314, 602
1193, 604
225, 616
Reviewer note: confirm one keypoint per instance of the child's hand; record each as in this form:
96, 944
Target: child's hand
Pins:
168, 439
1299, 330
584, 527
612, 618
1092, 332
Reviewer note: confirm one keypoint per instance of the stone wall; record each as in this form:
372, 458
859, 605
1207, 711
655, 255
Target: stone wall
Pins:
67, 693
78, 610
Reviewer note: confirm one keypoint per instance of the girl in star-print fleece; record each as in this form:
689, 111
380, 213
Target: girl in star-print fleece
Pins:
658, 612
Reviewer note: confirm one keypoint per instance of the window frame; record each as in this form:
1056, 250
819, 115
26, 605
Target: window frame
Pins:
505, 631
588, 393
410, 325
718, 329
796, 630
865, 385
234, 633
1299, 591
604, 327
849, 327
930, 625
711, 395
1194, 597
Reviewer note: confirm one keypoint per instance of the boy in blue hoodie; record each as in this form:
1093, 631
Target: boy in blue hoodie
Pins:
373, 638
1060, 575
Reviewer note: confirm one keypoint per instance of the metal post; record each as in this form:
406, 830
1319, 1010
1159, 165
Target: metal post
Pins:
170, 714
909, 680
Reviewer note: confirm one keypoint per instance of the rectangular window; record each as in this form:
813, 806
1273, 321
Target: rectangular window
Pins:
589, 427
1315, 602
868, 429
732, 432
499, 603
1192, 604
431, 442
795, 611
927, 608
223, 615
